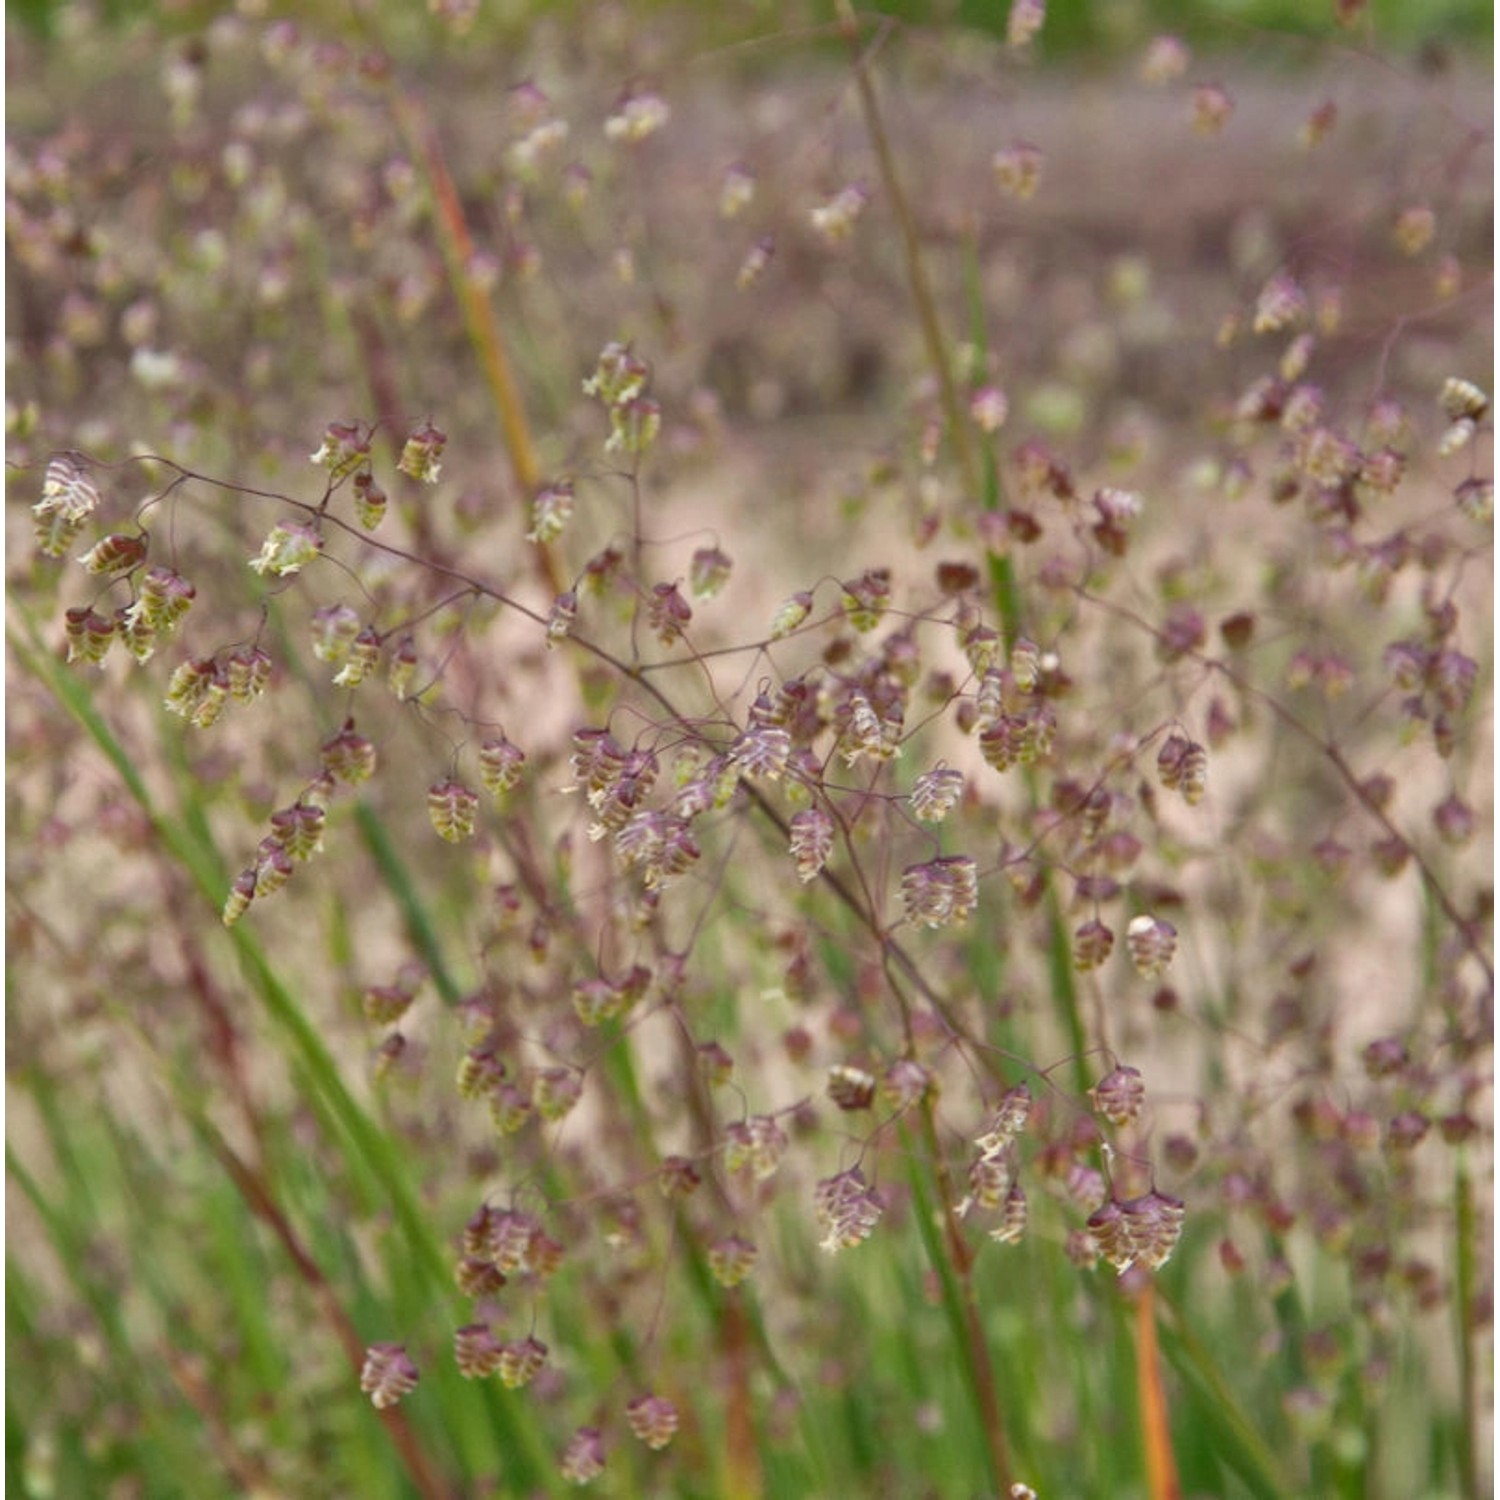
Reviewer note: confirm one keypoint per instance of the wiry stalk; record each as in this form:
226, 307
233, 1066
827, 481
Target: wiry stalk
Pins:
474, 302
1064, 990
916, 270
1463, 1304
954, 1261
1465, 928
1156, 1435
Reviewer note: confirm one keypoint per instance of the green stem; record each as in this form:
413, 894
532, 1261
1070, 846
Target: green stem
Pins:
1006, 594
916, 270
261, 1201
952, 1260
1239, 1444
1463, 1302
326, 1090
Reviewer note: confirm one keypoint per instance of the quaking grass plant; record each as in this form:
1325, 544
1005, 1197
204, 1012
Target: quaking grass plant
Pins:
835, 842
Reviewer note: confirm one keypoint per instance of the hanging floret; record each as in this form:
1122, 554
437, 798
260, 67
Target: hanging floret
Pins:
420, 455
941, 892
791, 615
363, 659
388, 1374
935, 792
198, 690
520, 1361
68, 500
731, 1260
1119, 1095
89, 634
452, 808
583, 1458
1152, 943
114, 554
500, 765
551, 510
812, 841
334, 628
848, 1210
344, 449
348, 756
249, 671
403, 667
289, 547
370, 501
835, 218
653, 1419
755, 1145
708, 572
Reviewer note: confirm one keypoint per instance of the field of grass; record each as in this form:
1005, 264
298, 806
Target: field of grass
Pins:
770, 775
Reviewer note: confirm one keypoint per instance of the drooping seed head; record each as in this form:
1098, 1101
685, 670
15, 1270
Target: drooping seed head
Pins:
388, 1374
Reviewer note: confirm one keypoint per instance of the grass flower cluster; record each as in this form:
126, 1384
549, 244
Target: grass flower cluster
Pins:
747, 762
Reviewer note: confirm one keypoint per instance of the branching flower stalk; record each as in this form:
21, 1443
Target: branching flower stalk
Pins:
1064, 989
860, 906
1463, 928
959, 1256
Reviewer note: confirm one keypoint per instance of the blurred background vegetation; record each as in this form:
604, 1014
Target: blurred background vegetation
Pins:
1077, 31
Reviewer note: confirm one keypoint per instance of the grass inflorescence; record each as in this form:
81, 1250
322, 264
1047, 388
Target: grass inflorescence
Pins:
768, 772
